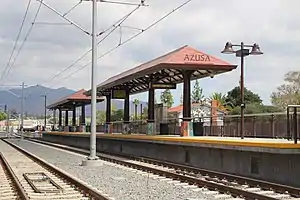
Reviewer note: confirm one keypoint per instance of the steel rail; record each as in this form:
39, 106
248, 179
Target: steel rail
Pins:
190, 179
293, 191
83, 187
21, 192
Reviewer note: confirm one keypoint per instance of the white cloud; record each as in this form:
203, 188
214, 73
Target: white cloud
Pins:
205, 25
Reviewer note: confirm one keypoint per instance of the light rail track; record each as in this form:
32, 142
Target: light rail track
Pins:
236, 186
10, 187
36, 179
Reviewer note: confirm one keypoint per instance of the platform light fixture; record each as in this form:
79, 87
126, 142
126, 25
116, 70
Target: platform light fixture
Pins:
228, 48
242, 52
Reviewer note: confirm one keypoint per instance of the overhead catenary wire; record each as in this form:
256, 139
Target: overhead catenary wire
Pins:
112, 28
130, 27
29, 31
52, 23
126, 41
16, 41
64, 17
25, 39
120, 21
73, 8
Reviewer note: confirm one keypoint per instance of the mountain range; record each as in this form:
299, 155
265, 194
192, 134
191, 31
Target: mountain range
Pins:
34, 101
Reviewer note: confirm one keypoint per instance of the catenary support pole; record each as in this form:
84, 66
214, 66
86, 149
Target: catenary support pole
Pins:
7, 118
94, 86
45, 112
22, 111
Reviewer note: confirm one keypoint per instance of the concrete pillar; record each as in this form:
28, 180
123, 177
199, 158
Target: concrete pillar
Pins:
54, 119
83, 127
108, 124
187, 124
74, 118
126, 128
83, 114
66, 129
66, 118
151, 121
59, 119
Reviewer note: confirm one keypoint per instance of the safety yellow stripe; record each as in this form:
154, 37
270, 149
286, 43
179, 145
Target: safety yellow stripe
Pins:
282, 145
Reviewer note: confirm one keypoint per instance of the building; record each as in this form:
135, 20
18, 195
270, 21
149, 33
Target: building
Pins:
201, 112
28, 125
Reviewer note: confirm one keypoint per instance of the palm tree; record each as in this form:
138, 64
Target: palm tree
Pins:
222, 104
181, 100
136, 102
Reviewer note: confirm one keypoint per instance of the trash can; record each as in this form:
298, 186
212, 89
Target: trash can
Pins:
164, 129
198, 128
88, 128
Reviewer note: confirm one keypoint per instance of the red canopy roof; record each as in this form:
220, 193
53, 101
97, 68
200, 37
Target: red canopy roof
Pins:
184, 58
78, 97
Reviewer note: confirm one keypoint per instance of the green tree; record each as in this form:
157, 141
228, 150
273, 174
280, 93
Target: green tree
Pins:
136, 102
197, 93
234, 97
2, 116
101, 117
181, 99
289, 92
145, 113
255, 108
271, 109
166, 98
221, 99
117, 115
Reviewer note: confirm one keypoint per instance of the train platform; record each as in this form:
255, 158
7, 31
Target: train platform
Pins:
250, 157
255, 144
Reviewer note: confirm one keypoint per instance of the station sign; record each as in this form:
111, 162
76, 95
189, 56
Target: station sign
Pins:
196, 58
118, 94
162, 85
104, 93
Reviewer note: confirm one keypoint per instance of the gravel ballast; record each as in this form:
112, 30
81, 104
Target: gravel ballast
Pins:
116, 181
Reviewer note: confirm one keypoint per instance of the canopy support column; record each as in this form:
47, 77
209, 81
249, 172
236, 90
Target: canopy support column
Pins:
74, 118
67, 121
108, 124
126, 125
82, 121
187, 124
54, 120
151, 121
59, 119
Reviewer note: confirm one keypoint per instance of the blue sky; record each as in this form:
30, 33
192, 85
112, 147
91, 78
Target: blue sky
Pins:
205, 25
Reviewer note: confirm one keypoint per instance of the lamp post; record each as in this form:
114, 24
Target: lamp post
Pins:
22, 97
242, 52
